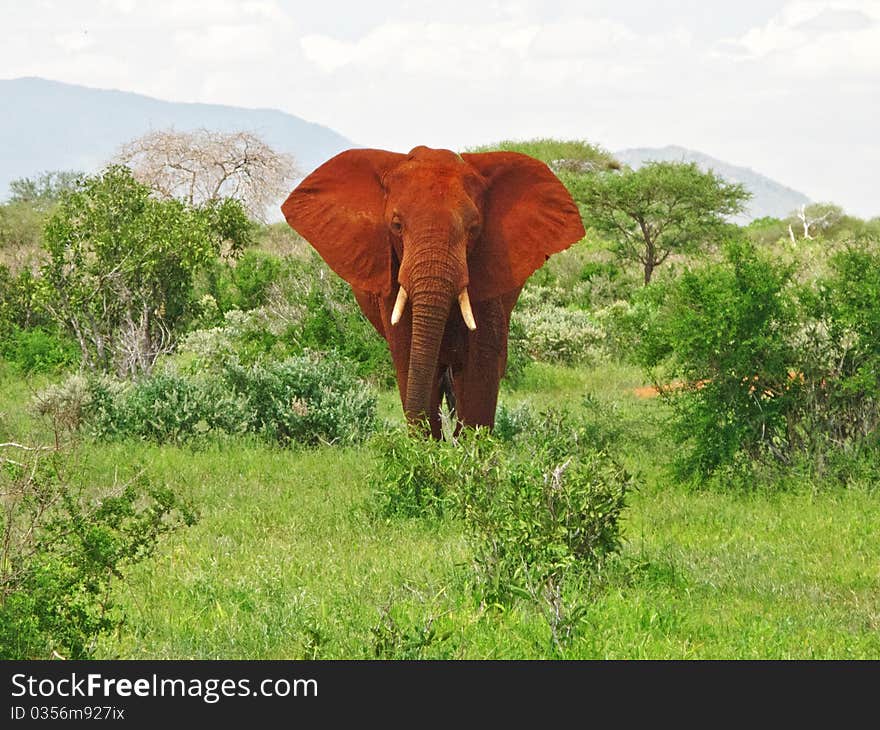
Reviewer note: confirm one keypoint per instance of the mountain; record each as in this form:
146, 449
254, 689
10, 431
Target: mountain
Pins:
49, 125
769, 198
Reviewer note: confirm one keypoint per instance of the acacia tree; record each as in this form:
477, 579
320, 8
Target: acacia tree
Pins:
565, 157
203, 165
121, 262
661, 208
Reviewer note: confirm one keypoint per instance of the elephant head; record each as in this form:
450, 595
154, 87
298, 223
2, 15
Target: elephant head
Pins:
432, 229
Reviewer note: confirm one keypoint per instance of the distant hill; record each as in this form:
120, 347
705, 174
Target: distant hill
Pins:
48, 125
769, 198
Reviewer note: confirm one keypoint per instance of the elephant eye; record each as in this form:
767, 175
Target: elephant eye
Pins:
396, 226
474, 229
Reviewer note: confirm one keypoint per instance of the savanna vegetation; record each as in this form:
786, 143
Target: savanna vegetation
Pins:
202, 453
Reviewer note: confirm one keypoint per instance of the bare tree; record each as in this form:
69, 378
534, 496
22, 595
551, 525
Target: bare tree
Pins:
813, 218
204, 165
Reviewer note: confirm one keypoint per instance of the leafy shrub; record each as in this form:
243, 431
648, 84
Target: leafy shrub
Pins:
66, 404
303, 307
766, 369
165, 407
511, 422
307, 399
62, 550
38, 350
554, 334
538, 517
838, 380
121, 265
518, 358
724, 331
243, 283
619, 323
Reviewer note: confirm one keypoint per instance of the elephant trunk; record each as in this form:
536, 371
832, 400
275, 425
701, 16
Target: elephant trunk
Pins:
430, 311
433, 285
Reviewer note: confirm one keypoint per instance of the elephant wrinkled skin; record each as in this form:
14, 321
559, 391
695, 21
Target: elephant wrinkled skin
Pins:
436, 247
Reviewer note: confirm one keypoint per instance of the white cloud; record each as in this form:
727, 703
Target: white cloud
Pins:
815, 39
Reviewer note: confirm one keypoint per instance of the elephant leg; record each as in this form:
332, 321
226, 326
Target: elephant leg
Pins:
476, 394
476, 381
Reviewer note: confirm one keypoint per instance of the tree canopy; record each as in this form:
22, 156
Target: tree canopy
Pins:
661, 208
562, 156
121, 264
203, 165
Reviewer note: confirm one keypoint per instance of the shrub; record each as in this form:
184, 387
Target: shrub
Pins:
38, 350
619, 324
305, 307
540, 518
165, 407
511, 422
838, 382
62, 550
518, 358
307, 399
767, 369
553, 334
121, 264
724, 330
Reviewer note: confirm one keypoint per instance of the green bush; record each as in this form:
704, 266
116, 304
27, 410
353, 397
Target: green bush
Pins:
164, 407
554, 334
303, 306
63, 548
511, 422
838, 370
38, 350
120, 268
307, 399
764, 369
518, 358
540, 517
724, 331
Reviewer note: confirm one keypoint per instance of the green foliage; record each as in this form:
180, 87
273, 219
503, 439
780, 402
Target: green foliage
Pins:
45, 190
308, 399
563, 156
38, 350
539, 517
19, 305
839, 348
511, 422
660, 209
21, 235
763, 369
724, 331
121, 263
302, 306
63, 549
553, 334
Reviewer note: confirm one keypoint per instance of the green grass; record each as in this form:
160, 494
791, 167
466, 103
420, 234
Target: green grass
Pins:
286, 560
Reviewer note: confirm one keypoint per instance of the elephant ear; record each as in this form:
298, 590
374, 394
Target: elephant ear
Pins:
528, 215
339, 209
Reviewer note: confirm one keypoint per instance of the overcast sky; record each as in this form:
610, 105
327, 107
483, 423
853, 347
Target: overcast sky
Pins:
791, 89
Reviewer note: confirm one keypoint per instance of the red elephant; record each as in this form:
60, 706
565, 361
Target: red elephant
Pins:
412, 234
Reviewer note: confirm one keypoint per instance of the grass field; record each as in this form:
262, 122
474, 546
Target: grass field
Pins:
286, 560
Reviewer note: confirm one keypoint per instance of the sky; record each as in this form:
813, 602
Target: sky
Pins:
790, 89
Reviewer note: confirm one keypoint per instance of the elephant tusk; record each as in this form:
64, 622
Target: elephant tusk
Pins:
398, 306
467, 314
